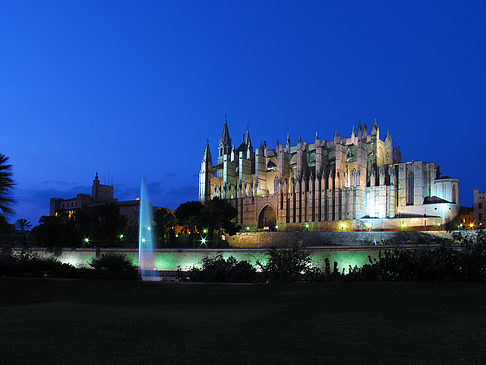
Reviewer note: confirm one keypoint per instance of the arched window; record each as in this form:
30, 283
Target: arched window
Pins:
410, 189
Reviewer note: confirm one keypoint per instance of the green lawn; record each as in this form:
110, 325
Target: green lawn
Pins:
129, 322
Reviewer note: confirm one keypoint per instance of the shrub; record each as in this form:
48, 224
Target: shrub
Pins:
26, 263
446, 262
113, 265
217, 269
289, 264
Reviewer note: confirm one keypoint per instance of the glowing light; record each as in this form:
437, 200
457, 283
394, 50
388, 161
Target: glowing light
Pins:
143, 240
276, 227
306, 225
203, 241
247, 228
471, 225
121, 236
86, 240
149, 228
368, 225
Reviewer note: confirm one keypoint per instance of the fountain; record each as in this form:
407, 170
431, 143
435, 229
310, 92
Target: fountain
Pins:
146, 258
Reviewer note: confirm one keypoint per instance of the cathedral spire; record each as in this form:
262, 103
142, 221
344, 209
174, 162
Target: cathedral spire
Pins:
225, 137
247, 138
317, 136
374, 129
388, 136
353, 133
207, 153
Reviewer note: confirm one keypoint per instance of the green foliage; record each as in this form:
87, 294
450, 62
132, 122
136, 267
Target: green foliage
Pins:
217, 269
25, 263
189, 215
289, 264
216, 215
114, 265
219, 216
103, 224
447, 262
55, 231
6, 186
164, 220
23, 225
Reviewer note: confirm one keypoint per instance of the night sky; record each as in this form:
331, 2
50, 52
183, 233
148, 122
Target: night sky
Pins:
134, 88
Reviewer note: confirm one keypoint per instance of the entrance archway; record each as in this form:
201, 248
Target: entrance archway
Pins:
267, 217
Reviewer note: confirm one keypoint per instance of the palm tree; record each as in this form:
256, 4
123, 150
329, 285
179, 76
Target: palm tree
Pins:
6, 185
23, 225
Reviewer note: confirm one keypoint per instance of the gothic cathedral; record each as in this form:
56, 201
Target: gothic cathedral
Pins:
347, 183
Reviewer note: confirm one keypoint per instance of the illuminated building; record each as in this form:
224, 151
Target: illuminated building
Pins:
465, 218
479, 208
359, 179
100, 195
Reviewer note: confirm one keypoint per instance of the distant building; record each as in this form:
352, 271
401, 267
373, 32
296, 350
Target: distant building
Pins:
346, 183
100, 195
479, 207
466, 218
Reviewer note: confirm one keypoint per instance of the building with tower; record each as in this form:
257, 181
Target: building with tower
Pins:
100, 195
346, 183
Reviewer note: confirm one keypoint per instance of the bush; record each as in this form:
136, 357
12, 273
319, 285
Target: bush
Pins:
217, 269
466, 262
290, 264
26, 263
114, 265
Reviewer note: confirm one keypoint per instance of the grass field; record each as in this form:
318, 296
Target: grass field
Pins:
128, 322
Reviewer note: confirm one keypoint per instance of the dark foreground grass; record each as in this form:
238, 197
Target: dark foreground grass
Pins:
128, 322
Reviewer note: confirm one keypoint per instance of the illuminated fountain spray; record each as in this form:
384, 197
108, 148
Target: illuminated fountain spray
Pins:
146, 259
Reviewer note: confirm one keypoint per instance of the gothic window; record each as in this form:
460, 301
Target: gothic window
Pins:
410, 189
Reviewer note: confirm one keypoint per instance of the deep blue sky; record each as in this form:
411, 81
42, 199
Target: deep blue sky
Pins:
132, 88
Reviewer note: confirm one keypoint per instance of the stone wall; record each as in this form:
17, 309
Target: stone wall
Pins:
171, 259
283, 239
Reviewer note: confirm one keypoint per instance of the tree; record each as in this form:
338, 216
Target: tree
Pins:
214, 217
6, 231
219, 217
103, 225
189, 216
56, 231
6, 185
163, 221
23, 225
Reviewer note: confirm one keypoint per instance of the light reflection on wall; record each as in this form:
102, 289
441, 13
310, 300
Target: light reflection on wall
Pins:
171, 259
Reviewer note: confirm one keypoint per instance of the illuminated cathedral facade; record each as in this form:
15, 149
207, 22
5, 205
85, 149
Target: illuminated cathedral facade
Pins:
346, 183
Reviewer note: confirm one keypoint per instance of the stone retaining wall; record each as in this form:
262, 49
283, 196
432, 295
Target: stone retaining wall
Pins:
283, 239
